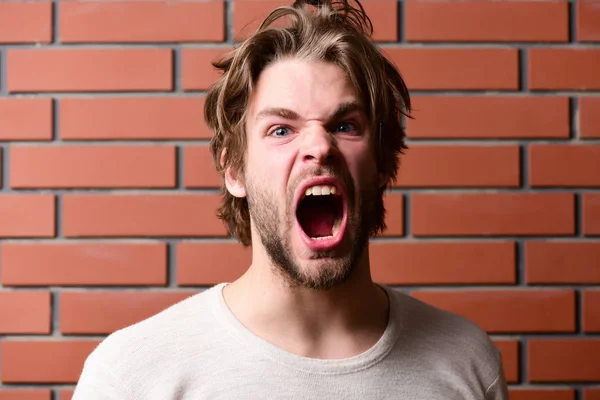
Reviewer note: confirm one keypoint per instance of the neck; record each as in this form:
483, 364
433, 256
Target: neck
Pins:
339, 322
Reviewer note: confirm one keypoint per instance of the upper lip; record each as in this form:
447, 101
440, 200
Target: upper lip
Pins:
319, 180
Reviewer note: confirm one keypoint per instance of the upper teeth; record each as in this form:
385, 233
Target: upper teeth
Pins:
319, 190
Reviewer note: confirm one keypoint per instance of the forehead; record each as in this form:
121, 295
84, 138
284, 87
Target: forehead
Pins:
312, 89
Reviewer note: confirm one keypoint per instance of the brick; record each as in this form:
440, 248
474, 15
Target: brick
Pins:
197, 71
26, 22
583, 162
492, 214
199, 169
506, 117
24, 312
135, 22
92, 167
509, 310
545, 262
89, 264
563, 69
125, 215
221, 262
394, 217
79, 310
456, 68
1, 172
541, 394
133, 118
591, 213
591, 310
431, 263
248, 14
25, 394
25, 118
460, 166
591, 394
563, 360
66, 394
27, 361
589, 117
492, 21
510, 359
587, 21
27, 215
77, 69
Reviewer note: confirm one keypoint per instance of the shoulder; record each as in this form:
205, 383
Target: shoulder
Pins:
449, 339
156, 343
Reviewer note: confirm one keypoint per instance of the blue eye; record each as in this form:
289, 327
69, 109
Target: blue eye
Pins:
281, 131
346, 127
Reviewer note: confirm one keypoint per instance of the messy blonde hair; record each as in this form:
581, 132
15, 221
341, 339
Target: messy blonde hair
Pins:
325, 30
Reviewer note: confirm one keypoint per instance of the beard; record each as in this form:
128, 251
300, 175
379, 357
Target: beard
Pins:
274, 229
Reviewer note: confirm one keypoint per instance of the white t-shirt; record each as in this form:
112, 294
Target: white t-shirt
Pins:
197, 349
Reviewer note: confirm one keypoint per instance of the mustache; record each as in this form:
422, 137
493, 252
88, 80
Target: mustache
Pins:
322, 171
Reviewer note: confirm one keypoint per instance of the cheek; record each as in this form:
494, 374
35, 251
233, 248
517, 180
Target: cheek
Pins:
270, 170
361, 162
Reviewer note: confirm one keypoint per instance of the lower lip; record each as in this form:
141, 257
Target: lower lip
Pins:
324, 244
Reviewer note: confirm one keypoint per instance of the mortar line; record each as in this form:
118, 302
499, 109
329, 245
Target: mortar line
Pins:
524, 166
574, 112
58, 229
381, 240
579, 313
574, 118
3, 71
55, 22
172, 264
176, 60
437, 287
407, 221
520, 260
55, 134
482, 142
522, 357
55, 307
572, 21
578, 215
229, 10
197, 93
401, 14
381, 44
3, 169
159, 191
523, 71
179, 172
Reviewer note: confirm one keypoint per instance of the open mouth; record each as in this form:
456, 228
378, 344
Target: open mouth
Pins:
320, 212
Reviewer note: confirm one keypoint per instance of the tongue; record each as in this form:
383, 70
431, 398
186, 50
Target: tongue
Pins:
318, 222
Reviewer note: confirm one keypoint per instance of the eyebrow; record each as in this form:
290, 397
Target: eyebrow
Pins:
343, 109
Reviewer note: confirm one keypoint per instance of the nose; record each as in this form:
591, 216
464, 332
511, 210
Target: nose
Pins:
318, 146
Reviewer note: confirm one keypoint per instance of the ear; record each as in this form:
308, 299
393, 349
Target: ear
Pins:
233, 181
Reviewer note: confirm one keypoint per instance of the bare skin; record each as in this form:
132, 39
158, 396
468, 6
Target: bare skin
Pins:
348, 317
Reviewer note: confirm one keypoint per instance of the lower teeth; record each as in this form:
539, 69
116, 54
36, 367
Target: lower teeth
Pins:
322, 237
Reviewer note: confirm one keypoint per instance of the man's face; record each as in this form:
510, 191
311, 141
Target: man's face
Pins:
310, 174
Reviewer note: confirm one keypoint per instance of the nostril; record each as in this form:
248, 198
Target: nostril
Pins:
326, 158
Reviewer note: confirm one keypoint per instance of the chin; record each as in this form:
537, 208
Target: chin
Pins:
317, 270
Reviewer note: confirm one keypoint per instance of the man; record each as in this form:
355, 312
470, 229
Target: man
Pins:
307, 122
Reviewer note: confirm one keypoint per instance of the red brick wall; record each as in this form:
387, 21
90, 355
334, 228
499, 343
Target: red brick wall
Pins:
107, 184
